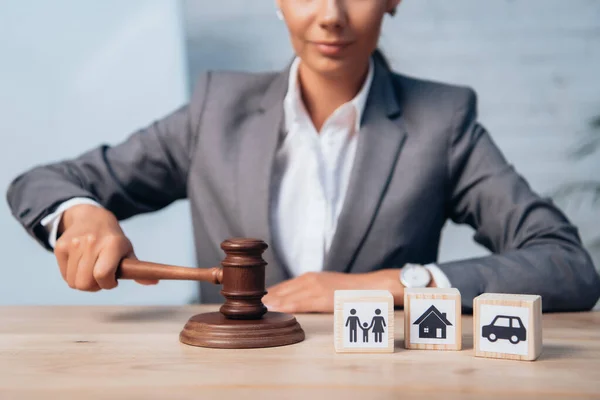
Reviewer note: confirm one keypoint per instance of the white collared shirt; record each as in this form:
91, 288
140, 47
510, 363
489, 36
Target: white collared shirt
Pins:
312, 171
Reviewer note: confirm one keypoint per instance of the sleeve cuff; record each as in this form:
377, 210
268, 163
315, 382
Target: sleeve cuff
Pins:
52, 221
439, 277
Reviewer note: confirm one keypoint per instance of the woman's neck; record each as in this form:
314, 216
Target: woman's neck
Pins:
323, 95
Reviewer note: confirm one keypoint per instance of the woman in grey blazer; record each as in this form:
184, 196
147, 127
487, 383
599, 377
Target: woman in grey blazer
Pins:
347, 169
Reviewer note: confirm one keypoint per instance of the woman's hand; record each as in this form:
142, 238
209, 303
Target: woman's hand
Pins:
313, 291
91, 248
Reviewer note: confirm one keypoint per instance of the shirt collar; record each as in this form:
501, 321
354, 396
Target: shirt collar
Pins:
295, 110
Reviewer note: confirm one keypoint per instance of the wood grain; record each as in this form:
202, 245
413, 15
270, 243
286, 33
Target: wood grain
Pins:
217, 331
134, 353
135, 269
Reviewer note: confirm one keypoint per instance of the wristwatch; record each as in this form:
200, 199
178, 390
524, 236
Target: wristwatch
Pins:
415, 276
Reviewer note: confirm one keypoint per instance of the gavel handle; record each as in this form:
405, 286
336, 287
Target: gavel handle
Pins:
135, 269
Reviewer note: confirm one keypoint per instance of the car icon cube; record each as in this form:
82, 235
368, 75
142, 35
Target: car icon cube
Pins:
505, 327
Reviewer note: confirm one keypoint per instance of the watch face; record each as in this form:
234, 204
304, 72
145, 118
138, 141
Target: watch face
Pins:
415, 276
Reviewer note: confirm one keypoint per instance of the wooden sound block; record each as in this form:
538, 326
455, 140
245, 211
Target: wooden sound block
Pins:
216, 331
432, 319
363, 321
507, 326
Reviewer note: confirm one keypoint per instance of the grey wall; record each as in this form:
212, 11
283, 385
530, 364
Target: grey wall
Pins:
534, 64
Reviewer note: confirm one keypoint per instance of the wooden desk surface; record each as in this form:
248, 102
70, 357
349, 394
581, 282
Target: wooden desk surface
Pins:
134, 353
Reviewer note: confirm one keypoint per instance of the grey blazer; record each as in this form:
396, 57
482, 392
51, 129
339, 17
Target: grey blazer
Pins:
422, 158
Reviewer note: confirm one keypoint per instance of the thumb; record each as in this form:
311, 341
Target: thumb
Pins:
146, 282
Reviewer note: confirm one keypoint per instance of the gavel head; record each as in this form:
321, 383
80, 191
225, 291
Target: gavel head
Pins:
243, 278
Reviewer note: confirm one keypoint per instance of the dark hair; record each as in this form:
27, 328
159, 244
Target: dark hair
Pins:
380, 57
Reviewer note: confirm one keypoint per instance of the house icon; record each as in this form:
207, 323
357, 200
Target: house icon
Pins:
432, 324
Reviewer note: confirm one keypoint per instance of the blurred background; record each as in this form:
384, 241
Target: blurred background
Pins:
77, 74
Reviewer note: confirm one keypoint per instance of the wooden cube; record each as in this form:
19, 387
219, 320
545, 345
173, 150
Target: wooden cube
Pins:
432, 319
507, 326
363, 321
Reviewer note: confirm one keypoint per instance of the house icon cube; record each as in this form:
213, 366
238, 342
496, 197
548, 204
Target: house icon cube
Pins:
432, 319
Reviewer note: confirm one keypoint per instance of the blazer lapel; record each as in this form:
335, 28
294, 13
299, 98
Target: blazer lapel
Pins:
258, 141
379, 143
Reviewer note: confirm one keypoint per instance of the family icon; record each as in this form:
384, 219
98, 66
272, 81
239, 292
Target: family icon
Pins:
377, 325
370, 312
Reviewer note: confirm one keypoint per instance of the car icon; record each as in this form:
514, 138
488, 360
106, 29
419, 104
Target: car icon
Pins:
505, 327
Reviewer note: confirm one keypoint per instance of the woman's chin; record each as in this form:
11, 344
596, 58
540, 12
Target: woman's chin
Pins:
331, 67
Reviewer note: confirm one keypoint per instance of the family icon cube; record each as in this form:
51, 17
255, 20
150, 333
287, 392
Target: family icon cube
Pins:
507, 326
363, 321
432, 319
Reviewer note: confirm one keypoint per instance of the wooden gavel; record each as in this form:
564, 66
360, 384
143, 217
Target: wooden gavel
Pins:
242, 275
243, 320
